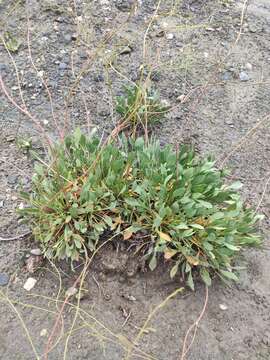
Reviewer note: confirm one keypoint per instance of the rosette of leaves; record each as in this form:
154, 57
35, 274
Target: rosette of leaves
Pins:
192, 220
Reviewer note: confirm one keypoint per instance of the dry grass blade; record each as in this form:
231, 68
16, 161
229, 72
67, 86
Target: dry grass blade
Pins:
185, 348
149, 318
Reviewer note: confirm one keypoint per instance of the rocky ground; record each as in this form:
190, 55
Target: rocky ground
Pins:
215, 55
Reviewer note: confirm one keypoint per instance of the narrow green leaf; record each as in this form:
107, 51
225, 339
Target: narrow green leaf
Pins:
153, 262
206, 276
190, 281
229, 275
174, 270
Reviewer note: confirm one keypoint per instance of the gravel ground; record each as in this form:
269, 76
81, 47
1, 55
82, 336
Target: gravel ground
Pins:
87, 51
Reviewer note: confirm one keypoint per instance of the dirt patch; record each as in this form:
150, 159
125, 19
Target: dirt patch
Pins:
192, 47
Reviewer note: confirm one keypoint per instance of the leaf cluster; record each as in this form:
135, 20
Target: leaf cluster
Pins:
140, 105
174, 206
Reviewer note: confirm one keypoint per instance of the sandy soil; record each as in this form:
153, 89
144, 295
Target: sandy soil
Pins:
196, 50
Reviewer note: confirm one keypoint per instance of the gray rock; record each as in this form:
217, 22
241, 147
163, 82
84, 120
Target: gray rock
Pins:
3, 67
12, 179
62, 66
226, 76
53, 84
67, 38
83, 54
243, 76
4, 279
253, 27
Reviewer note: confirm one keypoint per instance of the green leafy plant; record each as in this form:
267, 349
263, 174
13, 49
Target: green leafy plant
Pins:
11, 42
140, 105
172, 205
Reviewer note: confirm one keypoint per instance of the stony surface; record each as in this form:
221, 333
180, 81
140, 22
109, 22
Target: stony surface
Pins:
201, 63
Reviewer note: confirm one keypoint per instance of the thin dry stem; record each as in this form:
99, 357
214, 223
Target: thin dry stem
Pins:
194, 326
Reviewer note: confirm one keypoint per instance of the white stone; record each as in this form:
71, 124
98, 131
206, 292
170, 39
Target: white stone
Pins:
29, 284
169, 36
223, 307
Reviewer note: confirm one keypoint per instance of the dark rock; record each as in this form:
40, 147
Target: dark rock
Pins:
124, 5
104, 113
155, 75
4, 279
98, 78
3, 67
126, 50
134, 76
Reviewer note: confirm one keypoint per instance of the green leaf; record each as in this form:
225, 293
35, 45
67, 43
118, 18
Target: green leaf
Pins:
157, 221
229, 275
187, 233
12, 43
206, 277
197, 226
190, 281
181, 227
237, 185
153, 262
205, 204
217, 216
174, 270
77, 136
232, 247
68, 219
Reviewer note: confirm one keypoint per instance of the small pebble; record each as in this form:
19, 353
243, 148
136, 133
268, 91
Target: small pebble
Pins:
62, 66
36, 252
29, 284
21, 206
43, 332
181, 98
98, 78
243, 76
67, 38
169, 36
4, 279
129, 297
3, 67
226, 76
223, 307
248, 66
71, 291
12, 179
